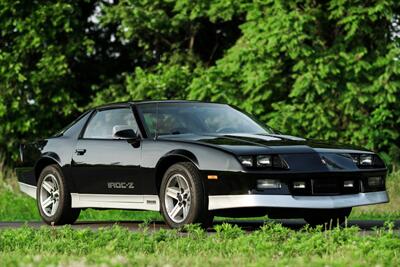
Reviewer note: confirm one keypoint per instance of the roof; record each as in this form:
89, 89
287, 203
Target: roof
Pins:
164, 101
127, 103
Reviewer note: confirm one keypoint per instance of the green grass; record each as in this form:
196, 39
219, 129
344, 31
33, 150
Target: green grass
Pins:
271, 245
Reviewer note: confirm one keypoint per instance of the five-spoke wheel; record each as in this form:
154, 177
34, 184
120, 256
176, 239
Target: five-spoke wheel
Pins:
177, 199
182, 196
53, 197
49, 195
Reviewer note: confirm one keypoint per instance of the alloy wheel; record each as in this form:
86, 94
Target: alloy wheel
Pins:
49, 195
177, 198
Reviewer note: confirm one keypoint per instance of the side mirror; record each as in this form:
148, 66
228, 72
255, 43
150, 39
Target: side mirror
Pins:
124, 132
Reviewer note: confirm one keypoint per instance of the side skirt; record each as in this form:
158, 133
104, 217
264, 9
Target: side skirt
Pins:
108, 201
28, 189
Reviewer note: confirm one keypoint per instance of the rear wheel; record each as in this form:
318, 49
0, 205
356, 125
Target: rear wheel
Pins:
53, 197
182, 196
329, 218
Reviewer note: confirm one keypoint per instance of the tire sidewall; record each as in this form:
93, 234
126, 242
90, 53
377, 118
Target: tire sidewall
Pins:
196, 194
54, 170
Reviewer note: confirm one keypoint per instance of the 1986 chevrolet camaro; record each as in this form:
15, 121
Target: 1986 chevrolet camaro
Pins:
192, 161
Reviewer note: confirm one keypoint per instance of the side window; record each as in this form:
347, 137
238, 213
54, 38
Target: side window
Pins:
168, 123
101, 125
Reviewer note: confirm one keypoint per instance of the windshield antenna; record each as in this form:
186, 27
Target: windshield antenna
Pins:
155, 134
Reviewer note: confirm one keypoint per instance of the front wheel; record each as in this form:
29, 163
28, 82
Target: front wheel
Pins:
53, 197
183, 198
329, 218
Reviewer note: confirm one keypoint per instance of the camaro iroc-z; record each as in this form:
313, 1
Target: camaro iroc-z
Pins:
192, 161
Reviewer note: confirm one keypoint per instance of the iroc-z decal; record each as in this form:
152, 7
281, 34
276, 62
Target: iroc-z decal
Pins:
120, 185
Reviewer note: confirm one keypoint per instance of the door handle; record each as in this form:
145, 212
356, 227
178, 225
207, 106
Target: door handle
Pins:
80, 152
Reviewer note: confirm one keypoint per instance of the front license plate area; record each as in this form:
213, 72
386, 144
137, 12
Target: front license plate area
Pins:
325, 187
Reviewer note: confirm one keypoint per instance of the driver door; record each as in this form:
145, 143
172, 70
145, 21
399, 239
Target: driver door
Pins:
102, 164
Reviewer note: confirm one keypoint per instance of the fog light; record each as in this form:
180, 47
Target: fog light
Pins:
268, 184
375, 181
299, 185
348, 184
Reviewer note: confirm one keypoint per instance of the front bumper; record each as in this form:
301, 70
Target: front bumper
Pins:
327, 183
218, 202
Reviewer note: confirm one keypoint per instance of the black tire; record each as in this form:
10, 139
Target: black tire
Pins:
63, 214
198, 212
328, 218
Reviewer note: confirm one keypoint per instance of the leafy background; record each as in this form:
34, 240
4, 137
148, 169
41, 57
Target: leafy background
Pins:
320, 69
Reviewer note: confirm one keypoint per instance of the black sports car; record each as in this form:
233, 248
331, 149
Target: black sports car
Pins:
192, 161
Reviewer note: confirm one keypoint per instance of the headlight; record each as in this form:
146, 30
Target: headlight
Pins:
264, 161
356, 159
366, 160
246, 161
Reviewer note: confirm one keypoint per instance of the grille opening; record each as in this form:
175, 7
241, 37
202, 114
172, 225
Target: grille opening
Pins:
326, 187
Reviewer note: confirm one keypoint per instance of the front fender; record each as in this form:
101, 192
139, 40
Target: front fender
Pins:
182, 153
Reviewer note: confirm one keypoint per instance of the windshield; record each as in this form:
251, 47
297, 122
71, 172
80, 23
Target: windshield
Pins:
196, 118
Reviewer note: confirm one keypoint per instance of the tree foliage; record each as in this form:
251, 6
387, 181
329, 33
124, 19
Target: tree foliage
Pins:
326, 70
321, 69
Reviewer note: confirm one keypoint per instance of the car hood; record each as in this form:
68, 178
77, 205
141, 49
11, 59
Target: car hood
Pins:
243, 144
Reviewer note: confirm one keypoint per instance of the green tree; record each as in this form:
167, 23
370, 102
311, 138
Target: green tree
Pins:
179, 39
51, 55
321, 69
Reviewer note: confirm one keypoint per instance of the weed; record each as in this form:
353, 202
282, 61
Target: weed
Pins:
228, 231
273, 244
